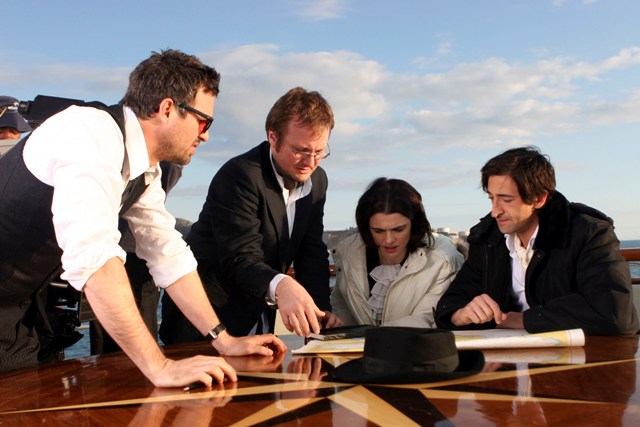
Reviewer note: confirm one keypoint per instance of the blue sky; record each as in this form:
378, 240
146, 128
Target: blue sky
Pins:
422, 90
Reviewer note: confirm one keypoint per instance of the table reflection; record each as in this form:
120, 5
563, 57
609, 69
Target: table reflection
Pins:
594, 385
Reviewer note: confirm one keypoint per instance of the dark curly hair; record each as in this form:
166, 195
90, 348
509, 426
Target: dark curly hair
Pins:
531, 170
168, 74
388, 196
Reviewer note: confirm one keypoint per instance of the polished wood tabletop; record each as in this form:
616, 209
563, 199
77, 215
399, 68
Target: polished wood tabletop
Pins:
594, 385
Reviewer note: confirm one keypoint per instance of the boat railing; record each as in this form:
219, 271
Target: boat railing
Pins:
632, 255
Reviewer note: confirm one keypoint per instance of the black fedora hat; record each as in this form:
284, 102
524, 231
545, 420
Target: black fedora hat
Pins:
409, 355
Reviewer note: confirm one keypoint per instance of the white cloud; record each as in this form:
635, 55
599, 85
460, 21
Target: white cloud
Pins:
255, 76
67, 80
443, 50
426, 127
614, 111
483, 106
319, 10
491, 101
559, 3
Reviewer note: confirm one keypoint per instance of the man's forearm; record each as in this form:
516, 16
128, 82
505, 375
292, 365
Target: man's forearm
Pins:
189, 296
109, 293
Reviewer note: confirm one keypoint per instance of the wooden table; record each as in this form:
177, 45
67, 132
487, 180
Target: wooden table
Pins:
594, 385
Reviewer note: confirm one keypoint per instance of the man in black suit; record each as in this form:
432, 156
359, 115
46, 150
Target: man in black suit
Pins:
264, 212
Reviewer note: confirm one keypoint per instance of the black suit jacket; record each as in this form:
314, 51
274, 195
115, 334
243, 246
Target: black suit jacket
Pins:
241, 241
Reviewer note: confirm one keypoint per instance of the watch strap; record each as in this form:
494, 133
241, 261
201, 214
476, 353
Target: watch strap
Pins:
215, 332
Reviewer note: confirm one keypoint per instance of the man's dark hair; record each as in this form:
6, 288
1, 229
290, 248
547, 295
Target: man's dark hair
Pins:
168, 74
531, 170
389, 196
308, 108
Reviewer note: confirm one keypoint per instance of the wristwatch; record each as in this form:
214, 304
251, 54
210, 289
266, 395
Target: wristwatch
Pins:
215, 332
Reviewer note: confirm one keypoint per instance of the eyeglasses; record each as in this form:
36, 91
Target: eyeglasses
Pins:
205, 123
299, 154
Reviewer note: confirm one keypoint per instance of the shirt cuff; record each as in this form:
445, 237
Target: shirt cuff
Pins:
78, 273
173, 268
273, 285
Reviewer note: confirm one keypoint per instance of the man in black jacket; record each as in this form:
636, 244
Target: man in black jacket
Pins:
264, 211
537, 261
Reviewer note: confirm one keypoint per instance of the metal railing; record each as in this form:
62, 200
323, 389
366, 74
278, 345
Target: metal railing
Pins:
632, 255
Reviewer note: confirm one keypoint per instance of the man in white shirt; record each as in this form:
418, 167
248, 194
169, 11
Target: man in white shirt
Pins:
62, 192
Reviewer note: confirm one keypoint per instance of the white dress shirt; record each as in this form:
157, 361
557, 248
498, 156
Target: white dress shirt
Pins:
80, 152
290, 198
520, 258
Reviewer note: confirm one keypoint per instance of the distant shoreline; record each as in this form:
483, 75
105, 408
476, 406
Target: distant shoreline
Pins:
628, 244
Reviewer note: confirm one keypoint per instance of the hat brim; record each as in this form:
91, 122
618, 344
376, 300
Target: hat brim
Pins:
470, 362
12, 119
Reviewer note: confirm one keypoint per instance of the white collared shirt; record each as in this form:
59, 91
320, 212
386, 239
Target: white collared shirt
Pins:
290, 198
76, 152
520, 258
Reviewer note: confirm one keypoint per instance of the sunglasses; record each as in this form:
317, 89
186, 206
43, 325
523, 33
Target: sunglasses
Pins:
204, 123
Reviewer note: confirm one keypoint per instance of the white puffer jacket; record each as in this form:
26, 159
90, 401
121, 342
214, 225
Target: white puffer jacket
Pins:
412, 297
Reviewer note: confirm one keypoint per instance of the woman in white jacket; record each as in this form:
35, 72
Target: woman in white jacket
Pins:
394, 270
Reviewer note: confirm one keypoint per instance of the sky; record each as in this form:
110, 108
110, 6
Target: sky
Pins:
422, 90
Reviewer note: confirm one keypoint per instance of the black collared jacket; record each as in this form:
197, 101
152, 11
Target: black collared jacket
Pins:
577, 277
241, 241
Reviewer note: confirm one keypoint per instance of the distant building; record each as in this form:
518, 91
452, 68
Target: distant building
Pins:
455, 236
331, 238
459, 239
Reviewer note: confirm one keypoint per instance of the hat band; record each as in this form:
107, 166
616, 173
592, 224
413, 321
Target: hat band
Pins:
374, 365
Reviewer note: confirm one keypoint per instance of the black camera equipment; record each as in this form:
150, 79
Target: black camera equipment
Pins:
61, 308
42, 107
